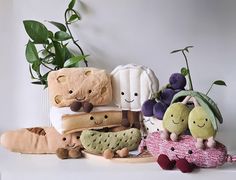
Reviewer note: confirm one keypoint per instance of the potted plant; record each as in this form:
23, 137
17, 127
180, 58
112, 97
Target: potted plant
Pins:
47, 51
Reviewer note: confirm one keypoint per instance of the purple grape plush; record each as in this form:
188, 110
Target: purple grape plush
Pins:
159, 110
147, 107
167, 96
177, 81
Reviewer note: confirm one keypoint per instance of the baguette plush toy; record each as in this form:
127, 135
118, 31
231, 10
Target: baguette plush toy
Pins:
44, 140
110, 143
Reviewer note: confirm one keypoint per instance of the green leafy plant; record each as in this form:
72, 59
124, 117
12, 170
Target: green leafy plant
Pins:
47, 51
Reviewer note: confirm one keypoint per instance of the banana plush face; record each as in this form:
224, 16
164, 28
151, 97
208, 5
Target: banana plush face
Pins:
175, 119
200, 124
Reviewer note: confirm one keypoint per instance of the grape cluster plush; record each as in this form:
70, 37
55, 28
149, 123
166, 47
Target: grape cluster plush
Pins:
157, 106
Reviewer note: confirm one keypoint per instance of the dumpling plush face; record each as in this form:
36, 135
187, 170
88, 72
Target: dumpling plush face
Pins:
79, 84
152, 124
132, 85
200, 124
175, 119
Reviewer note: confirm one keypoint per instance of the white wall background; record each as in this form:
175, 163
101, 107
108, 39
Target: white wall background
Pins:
117, 32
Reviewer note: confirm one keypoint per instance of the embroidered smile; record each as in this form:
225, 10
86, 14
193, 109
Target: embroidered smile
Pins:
129, 101
80, 99
201, 126
175, 122
71, 146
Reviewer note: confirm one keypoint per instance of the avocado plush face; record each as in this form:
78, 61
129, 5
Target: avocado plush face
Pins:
175, 119
200, 124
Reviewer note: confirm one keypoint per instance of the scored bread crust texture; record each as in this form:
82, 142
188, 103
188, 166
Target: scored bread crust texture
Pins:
97, 142
66, 121
79, 84
38, 140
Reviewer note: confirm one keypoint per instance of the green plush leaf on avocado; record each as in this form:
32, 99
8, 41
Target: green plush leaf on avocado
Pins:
208, 110
213, 107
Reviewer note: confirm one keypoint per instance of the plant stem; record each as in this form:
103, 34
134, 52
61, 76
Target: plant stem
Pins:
189, 75
210, 88
74, 41
46, 66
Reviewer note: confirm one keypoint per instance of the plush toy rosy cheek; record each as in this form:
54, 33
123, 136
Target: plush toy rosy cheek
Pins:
185, 149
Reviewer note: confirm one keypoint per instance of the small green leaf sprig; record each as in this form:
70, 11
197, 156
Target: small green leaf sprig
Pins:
53, 53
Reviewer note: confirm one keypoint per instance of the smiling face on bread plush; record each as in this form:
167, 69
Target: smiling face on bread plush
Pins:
79, 84
132, 85
71, 140
92, 120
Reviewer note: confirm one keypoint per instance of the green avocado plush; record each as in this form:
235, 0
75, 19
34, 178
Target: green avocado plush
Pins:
175, 120
97, 142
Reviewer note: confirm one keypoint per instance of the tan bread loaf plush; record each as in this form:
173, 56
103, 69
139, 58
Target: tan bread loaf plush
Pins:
109, 143
66, 121
45, 140
79, 84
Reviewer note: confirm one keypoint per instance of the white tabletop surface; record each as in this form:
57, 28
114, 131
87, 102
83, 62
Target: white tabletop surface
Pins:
21, 166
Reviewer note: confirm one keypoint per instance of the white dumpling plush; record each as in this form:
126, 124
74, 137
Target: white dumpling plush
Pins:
152, 124
132, 85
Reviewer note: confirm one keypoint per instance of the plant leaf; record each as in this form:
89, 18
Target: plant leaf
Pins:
36, 31
175, 51
220, 83
31, 53
36, 66
50, 35
181, 94
213, 107
73, 18
59, 54
74, 60
184, 71
208, 110
62, 36
60, 26
71, 4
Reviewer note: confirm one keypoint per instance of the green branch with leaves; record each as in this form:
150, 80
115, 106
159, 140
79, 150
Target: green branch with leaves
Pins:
47, 51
